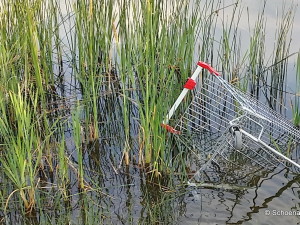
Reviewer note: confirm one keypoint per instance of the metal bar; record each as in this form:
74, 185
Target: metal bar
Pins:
269, 148
181, 96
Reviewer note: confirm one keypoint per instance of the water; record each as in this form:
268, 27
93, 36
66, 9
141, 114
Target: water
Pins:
126, 195
269, 199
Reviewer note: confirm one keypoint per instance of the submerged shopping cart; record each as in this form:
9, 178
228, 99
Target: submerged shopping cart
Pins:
247, 135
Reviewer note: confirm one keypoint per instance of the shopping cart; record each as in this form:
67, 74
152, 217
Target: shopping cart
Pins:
247, 133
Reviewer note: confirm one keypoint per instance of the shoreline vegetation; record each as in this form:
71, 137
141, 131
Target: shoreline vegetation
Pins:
106, 72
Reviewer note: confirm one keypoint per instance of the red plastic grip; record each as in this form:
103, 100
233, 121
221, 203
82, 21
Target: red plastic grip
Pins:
190, 84
208, 67
170, 129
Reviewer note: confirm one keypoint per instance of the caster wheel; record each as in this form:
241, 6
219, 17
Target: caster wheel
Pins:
237, 137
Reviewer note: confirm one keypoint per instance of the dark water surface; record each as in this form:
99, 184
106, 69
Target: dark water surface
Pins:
125, 195
130, 198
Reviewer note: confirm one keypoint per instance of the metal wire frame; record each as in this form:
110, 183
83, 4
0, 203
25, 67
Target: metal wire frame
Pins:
218, 104
239, 167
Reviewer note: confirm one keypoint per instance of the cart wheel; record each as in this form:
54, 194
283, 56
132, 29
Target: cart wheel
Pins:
237, 140
237, 137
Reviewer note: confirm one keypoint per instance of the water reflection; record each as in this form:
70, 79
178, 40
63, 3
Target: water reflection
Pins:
127, 195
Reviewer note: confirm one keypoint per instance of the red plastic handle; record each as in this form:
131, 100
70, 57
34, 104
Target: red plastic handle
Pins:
208, 67
190, 84
170, 129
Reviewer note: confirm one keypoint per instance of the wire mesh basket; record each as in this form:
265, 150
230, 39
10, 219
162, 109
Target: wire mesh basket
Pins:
250, 137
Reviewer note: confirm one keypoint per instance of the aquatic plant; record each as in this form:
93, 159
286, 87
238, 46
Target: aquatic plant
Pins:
24, 141
296, 104
67, 74
151, 50
79, 140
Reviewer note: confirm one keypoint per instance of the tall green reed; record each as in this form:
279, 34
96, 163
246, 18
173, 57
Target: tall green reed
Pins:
27, 79
148, 46
78, 139
257, 54
281, 54
23, 144
296, 104
63, 167
93, 21
153, 45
